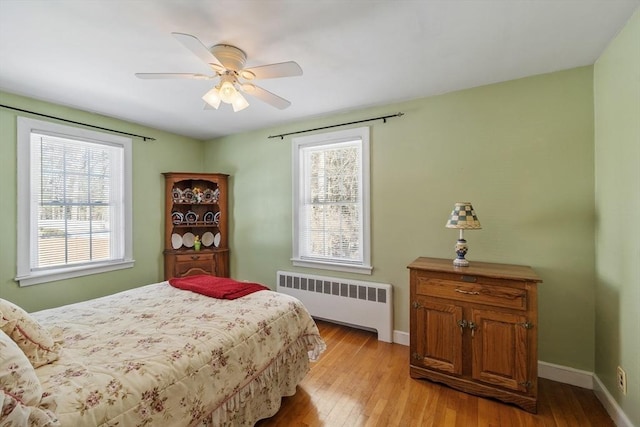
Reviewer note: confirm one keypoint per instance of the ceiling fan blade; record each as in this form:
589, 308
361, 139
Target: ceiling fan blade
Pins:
174, 76
272, 71
265, 96
195, 45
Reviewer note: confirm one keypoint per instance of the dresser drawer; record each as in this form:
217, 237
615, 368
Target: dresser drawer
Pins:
498, 296
195, 257
194, 263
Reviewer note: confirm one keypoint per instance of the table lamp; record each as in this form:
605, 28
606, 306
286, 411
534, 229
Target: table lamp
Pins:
463, 217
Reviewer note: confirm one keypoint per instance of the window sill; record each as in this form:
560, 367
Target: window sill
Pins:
347, 268
35, 278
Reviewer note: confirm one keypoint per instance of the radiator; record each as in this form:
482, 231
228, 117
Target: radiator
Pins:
362, 304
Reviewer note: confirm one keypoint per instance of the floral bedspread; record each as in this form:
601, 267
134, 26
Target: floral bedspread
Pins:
160, 356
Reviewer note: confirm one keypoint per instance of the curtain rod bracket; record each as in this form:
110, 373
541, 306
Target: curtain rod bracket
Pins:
383, 118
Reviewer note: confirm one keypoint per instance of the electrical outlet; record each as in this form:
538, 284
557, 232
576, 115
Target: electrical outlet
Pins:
622, 380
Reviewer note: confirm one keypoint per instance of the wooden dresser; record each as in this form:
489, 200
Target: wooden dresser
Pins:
476, 328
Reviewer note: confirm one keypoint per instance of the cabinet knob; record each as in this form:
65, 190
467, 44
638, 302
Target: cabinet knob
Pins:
462, 324
195, 257
473, 327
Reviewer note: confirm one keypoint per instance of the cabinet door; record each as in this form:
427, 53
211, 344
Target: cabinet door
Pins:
438, 343
499, 346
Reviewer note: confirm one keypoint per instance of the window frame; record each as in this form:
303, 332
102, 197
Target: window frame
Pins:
328, 139
26, 276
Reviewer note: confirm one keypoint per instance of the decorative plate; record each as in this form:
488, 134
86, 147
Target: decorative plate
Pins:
177, 195
216, 239
207, 196
216, 218
188, 196
188, 239
207, 238
208, 217
177, 217
191, 217
176, 241
216, 195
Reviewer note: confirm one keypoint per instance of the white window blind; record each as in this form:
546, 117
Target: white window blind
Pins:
331, 201
74, 202
76, 192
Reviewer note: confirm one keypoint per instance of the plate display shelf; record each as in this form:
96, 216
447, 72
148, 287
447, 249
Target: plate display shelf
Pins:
196, 224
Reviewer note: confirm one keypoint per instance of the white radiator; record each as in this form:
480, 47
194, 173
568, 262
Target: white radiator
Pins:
357, 303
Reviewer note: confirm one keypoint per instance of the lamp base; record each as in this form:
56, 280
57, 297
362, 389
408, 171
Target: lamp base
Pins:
460, 262
461, 250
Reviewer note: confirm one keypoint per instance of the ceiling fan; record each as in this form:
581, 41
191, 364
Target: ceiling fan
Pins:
227, 62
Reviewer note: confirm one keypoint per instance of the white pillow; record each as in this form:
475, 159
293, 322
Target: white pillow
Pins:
35, 341
20, 389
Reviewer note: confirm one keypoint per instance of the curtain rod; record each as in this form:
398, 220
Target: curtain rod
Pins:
383, 118
144, 138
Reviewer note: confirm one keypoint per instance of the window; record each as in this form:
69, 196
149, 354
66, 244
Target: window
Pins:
331, 201
74, 202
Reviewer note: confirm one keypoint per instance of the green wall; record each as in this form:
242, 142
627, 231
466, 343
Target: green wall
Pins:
617, 191
150, 159
521, 151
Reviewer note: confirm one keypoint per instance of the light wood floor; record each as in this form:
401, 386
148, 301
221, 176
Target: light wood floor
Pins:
360, 381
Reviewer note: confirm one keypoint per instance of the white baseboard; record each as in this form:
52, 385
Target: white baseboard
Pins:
401, 338
613, 409
565, 374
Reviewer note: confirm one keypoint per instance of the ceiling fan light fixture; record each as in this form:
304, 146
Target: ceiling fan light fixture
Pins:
239, 102
227, 63
227, 92
212, 98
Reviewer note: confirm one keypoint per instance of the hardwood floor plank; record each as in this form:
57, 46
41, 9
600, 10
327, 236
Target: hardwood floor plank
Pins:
488, 415
588, 401
360, 381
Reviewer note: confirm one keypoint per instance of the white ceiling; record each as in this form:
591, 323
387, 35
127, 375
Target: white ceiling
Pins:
354, 53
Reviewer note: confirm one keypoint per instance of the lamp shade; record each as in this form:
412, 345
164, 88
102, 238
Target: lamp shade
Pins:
463, 217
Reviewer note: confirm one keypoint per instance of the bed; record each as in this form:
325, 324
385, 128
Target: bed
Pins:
161, 356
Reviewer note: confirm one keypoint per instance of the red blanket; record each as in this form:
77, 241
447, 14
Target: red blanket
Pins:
216, 287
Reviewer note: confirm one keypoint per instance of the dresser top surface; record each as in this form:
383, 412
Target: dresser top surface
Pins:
477, 268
